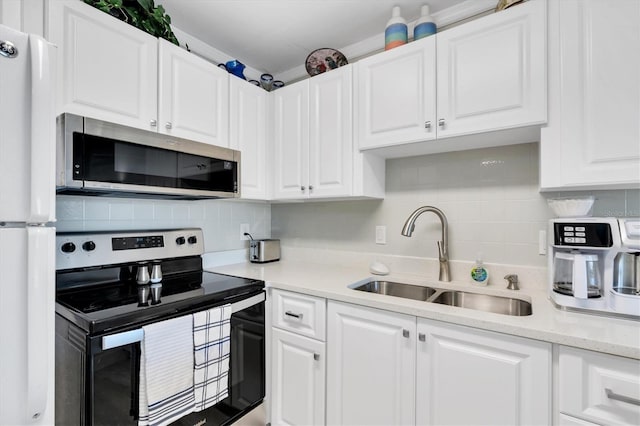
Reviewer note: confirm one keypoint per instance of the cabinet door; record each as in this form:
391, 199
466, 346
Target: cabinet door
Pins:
397, 95
492, 72
193, 96
592, 141
248, 134
331, 133
370, 366
298, 384
597, 387
474, 377
291, 141
107, 69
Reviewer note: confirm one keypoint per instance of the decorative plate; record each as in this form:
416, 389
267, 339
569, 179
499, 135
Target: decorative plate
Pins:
325, 59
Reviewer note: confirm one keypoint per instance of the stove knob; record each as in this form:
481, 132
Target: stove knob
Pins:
180, 241
68, 247
89, 246
193, 239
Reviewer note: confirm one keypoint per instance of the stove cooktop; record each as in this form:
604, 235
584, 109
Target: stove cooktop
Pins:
116, 305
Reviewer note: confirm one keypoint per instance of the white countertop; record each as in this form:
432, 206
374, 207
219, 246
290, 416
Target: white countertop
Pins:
547, 323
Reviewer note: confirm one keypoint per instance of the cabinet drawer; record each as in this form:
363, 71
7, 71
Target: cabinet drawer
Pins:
598, 387
299, 313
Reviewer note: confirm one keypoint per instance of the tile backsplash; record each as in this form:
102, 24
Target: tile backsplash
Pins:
219, 219
490, 197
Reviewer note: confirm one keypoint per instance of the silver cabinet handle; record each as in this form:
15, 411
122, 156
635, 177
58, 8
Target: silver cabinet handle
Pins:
302, 188
291, 314
316, 357
441, 123
612, 395
405, 333
422, 337
168, 125
310, 187
153, 123
427, 125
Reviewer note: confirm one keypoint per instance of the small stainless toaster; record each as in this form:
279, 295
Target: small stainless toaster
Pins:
263, 251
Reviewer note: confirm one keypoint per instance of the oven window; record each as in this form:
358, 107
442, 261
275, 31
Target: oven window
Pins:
115, 385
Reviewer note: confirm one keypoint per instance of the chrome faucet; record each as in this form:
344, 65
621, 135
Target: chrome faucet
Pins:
443, 247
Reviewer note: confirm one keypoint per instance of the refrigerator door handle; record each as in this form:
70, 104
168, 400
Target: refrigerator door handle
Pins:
40, 289
43, 130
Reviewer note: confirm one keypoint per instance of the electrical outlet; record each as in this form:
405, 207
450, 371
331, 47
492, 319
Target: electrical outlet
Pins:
381, 234
244, 227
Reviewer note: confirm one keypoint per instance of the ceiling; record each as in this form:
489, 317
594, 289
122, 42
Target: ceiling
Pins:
277, 35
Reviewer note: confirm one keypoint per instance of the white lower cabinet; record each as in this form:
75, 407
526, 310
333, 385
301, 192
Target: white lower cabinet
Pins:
468, 376
386, 368
564, 420
298, 371
598, 388
298, 366
370, 366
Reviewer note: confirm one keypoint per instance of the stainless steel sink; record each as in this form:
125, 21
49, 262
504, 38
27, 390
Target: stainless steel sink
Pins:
407, 291
484, 302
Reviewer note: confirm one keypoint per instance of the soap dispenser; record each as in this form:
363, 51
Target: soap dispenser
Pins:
479, 274
396, 32
424, 26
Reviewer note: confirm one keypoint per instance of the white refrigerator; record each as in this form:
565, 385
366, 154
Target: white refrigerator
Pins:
27, 235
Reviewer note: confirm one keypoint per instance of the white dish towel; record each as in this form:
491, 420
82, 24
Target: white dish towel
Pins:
166, 371
211, 341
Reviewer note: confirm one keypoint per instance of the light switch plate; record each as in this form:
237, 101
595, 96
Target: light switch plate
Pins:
381, 234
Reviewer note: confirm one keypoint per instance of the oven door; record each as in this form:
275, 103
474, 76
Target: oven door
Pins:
112, 368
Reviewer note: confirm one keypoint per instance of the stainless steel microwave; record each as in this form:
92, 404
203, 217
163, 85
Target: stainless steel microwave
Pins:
100, 158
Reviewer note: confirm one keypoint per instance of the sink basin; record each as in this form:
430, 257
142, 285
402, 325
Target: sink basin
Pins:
484, 302
407, 291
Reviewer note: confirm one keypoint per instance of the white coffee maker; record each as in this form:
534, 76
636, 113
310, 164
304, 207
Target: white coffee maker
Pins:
593, 265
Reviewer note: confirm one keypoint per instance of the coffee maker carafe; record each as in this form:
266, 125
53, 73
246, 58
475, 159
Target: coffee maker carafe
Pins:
577, 274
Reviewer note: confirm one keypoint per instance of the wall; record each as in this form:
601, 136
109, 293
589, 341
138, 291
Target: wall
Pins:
490, 197
219, 219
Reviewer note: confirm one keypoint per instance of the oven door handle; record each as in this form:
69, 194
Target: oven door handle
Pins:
126, 338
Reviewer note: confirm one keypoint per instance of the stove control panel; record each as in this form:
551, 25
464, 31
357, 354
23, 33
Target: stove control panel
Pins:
89, 249
130, 243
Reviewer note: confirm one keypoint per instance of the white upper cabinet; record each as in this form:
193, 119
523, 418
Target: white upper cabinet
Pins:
291, 141
593, 137
314, 151
106, 69
467, 376
248, 114
193, 96
112, 71
484, 80
492, 72
331, 134
397, 95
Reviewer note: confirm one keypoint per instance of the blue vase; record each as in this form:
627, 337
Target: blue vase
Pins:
236, 68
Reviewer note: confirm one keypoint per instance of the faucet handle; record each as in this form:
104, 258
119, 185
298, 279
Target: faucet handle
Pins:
512, 281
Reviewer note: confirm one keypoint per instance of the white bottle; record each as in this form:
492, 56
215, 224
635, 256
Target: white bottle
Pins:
479, 274
424, 26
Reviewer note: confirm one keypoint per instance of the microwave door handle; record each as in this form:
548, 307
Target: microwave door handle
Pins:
40, 285
43, 131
